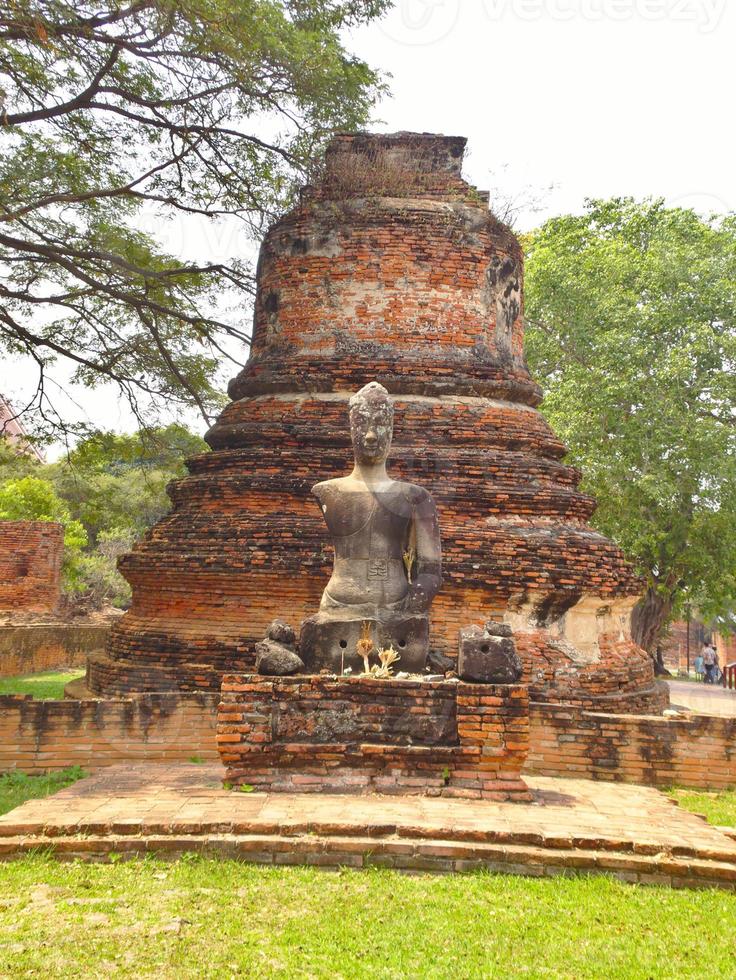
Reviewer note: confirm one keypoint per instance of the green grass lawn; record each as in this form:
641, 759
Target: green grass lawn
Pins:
16, 787
208, 918
49, 685
718, 808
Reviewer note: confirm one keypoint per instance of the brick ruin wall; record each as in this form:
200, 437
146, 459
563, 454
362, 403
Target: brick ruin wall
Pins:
697, 751
675, 646
34, 648
38, 736
625, 685
726, 647
30, 566
351, 735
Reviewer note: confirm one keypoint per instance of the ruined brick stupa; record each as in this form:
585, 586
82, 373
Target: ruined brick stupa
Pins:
391, 269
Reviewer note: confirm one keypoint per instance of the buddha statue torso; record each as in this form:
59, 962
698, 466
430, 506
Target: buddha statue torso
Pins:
387, 565
375, 535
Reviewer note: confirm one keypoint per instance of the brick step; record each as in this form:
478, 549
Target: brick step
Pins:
407, 854
143, 829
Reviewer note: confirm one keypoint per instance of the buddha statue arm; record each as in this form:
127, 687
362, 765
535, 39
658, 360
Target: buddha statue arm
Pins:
426, 577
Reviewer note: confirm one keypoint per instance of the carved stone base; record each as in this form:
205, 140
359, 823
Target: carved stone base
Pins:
329, 642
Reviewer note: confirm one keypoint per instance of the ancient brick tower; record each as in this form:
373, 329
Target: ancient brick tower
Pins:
392, 268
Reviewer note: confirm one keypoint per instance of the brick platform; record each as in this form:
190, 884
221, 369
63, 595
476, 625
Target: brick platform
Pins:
31, 648
359, 735
573, 826
694, 750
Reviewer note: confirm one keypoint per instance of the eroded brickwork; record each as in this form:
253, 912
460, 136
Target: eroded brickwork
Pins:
391, 269
330, 734
39, 736
30, 565
34, 648
697, 751
624, 683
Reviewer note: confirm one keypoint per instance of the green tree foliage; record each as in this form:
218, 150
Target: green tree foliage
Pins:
14, 464
632, 333
209, 108
31, 498
107, 493
117, 483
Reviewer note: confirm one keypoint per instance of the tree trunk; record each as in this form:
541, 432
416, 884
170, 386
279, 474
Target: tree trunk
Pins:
648, 619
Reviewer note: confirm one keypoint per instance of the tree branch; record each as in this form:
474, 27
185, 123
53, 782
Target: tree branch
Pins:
81, 101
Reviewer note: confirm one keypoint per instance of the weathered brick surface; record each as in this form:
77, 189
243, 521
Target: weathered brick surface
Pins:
339, 734
574, 826
34, 648
30, 565
392, 268
619, 681
698, 751
37, 736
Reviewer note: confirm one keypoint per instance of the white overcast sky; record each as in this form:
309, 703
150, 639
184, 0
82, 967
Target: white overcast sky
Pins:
560, 100
597, 97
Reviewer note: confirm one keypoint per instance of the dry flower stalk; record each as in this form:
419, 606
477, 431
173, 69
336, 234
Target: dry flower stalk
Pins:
365, 644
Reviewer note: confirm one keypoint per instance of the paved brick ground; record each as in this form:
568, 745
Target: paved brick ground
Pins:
631, 831
704, 699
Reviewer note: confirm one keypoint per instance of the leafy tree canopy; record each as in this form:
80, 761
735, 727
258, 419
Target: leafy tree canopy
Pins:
191, 107
106, 493
632, 333
31, 498
117, 483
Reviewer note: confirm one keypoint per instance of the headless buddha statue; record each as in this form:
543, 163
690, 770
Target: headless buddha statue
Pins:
387, 566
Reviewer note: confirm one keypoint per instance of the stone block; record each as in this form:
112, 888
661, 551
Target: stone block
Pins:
437, 661
329, 643
276, 660
484, 658
281, 632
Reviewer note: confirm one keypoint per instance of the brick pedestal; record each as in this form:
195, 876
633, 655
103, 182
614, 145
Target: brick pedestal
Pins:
360, 735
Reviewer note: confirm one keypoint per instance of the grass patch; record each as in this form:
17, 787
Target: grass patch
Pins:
718, 807
49, 685
16, 787
206, 918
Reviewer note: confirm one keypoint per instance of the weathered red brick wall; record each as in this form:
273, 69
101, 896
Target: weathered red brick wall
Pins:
33, 648
328, 734
726, 646
37, 736
620, 679
30, 565
697, 751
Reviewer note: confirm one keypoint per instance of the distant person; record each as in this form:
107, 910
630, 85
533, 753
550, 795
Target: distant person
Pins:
717, 675
709, 662
699, 667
